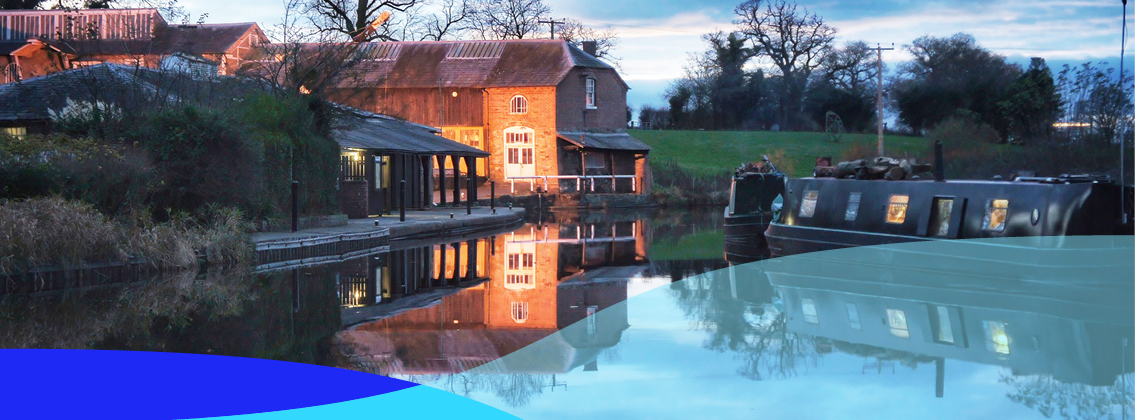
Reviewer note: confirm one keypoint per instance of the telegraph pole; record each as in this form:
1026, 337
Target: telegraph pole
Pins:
879, 95
552, 24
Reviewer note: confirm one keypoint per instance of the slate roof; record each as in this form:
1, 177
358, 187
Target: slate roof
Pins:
366, 130
501, 63
608, 141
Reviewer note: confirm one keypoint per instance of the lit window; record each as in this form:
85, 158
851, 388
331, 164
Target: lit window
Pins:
519, 281
809, 308
853, 316
996, 339
896, 210
590, 83
381, 172
945, 331
519, 312
808, 206
17, 132
896, 319
941, 221
519, 137
995, 213
852, 207
518, 105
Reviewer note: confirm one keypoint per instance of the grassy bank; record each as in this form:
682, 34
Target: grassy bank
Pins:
714, 153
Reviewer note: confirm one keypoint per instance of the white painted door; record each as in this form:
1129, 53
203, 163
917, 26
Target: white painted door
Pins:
519, 152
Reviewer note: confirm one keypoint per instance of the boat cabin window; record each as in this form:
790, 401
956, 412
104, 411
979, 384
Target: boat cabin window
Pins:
945, 330
853, 316
896, 210
852, 207
896, 319
809, 308
995, 214
808, 206
940, 219
996, 338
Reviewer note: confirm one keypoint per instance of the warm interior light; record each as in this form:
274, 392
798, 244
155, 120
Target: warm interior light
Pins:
455, 94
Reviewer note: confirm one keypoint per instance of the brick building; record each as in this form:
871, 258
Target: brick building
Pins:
34, 43
550, 115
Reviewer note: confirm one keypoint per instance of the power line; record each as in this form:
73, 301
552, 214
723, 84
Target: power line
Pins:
552, 23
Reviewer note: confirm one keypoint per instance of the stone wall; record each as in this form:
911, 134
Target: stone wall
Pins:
353, 199
610, 112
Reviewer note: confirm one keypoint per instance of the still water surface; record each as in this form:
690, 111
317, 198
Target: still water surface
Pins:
639, 316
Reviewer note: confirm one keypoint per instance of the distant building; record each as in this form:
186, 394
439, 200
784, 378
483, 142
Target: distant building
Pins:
549, 114
34, 43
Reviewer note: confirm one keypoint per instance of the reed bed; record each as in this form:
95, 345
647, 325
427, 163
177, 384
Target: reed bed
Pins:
53, 232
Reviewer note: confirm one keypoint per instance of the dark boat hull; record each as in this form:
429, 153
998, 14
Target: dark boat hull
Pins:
792, 240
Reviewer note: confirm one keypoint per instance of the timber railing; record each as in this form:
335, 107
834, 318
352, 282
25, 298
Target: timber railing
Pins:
579, 179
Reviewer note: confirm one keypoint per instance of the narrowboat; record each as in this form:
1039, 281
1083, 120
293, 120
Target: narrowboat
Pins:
754, 202
822, 213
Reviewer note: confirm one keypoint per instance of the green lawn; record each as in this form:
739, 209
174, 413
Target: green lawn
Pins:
711, 153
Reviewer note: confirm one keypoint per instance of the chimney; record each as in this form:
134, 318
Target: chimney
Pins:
590, 47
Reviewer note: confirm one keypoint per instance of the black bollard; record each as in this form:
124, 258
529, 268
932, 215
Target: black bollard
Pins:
493, 195
295, 206
470, 198
402, 202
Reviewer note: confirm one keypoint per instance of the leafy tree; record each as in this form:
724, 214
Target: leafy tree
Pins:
794, 40
1032, 103
678, 101
950, 74
845, 84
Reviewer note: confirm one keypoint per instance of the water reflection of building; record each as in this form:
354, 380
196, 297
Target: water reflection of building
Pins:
1073, 332
541, 279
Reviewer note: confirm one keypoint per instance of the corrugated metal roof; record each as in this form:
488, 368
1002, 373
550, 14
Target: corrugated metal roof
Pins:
364, 130
609, 141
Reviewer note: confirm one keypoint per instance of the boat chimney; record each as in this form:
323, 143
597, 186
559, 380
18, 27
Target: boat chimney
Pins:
939, 168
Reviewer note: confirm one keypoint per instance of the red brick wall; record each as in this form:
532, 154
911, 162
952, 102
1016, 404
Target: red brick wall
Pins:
610, 101
541, 117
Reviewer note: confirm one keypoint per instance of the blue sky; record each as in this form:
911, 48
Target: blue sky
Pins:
658, 35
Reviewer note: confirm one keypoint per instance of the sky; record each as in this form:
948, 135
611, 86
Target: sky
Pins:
657, 36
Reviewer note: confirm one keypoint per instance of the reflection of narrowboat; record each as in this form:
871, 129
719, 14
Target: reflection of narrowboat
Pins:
829, 213
752, 206
1040, 322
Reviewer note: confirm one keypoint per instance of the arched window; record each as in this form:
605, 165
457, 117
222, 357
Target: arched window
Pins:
518, 105
519, 312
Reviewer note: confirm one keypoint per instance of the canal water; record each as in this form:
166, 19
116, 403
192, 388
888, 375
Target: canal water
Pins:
645, 315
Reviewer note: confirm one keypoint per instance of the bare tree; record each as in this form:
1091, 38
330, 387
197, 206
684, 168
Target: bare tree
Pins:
351, 17
794, 40
509, 19
575, 32
429, 21
852, 68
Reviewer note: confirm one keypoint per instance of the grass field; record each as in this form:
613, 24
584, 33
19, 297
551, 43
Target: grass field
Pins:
713, 153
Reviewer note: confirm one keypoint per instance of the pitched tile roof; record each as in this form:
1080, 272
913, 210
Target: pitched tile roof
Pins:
503, 63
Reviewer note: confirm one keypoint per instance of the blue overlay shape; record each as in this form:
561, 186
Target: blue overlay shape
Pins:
125, 384
412, 403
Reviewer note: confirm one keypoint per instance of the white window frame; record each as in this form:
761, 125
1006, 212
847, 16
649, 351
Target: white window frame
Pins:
520, 151
589, 93
518, 105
